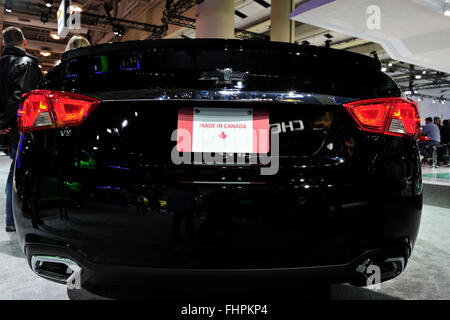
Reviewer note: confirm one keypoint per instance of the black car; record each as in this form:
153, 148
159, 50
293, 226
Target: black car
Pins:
277, 162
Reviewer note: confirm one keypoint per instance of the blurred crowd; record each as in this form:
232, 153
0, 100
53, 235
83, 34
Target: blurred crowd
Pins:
435, 134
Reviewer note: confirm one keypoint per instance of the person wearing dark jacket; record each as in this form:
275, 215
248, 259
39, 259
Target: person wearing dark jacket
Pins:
445, 132
19, 73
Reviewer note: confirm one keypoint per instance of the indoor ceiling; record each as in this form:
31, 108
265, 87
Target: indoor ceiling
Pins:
251, 15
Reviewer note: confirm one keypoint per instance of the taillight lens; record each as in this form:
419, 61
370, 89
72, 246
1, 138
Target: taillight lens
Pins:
44, 109
35, 112
391, 116
405, 118
71, 109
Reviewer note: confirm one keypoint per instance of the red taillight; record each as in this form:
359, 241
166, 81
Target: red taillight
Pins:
392, 116
71, 109
405, 118
34, 112
44, 109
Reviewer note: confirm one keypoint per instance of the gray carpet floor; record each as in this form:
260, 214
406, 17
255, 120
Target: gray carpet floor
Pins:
436, 195
427, 275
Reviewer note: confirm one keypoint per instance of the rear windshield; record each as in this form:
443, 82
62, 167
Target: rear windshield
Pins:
212, 64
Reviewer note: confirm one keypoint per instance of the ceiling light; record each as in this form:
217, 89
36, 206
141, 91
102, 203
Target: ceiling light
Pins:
76, 7
384, 69
408, 92
54, 36
40, 66
440, 6
48, 3
44, 18
390, 64
447, 10
419, 99
8, 7
45, 53
424, 72
418, 77
118, 30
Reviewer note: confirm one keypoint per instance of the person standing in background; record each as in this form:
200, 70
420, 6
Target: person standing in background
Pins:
77, 42
445, 132
19, 73
437, 121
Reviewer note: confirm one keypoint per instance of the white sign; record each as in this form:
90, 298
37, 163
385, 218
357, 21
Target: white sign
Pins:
228, 130
222, 130
63, 18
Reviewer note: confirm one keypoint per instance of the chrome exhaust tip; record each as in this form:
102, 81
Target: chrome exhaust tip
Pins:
392, 267
58, 269
385, 270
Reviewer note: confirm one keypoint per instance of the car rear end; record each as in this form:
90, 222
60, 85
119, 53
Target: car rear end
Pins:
329, 184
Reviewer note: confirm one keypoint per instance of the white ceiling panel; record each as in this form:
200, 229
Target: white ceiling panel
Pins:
410, 30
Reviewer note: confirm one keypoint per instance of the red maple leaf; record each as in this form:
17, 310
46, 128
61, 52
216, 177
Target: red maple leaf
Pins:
222, 135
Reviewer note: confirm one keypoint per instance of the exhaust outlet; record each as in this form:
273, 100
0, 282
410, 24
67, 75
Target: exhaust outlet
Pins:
387, 269
392, 267
58, 269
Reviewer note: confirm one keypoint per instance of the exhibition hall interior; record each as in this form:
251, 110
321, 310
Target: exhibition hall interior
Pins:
104, 103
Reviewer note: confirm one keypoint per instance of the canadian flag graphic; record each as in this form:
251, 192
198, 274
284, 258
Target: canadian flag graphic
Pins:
229, 130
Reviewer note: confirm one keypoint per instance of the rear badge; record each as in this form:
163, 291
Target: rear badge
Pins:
295, 125
65, 132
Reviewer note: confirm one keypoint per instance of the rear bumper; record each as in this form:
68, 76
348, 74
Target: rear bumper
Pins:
109, 280
296, 230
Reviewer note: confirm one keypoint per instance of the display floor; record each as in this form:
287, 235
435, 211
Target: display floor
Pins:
437, 176
426, 276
